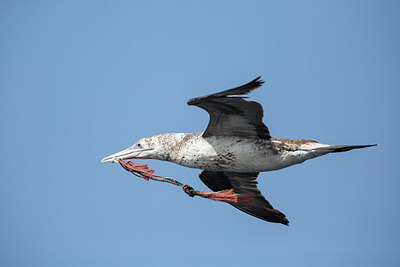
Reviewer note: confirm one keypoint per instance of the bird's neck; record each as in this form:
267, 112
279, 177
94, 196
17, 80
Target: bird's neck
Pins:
171, 145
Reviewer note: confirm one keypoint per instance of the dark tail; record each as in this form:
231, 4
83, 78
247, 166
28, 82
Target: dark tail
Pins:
345, 148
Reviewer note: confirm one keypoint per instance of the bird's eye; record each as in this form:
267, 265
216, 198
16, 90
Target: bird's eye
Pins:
139, 145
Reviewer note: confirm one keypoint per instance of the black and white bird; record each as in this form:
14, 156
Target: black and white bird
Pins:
233, 150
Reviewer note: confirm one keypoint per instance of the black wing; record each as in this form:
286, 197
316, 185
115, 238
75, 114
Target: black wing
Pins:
244, 183
231, 114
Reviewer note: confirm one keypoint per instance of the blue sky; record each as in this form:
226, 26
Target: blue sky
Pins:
80, 80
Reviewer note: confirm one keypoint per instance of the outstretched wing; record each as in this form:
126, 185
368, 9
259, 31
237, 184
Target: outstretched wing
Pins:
244, 183
231, 114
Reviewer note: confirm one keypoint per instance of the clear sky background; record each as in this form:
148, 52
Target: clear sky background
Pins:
80, 80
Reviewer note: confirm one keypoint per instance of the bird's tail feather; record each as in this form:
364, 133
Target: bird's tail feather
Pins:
335, 149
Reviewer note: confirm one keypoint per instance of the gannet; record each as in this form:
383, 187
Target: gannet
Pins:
233, 150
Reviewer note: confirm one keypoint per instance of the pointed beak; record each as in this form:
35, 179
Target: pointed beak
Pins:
129, 153
124, 154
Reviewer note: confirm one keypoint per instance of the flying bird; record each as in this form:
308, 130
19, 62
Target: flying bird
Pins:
233, 150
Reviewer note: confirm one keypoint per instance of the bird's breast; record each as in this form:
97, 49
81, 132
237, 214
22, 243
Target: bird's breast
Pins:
228, 154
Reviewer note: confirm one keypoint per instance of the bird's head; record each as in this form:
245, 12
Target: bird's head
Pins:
145, 148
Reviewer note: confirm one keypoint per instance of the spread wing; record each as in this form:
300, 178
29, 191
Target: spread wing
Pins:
244, 183
231, 114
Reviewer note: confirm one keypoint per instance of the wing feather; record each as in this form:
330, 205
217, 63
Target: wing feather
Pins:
232, 115
244, 183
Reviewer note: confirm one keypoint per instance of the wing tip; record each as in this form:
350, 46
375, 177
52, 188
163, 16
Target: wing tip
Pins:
285, 221
257, 81
241, 90
277, 217
281, 218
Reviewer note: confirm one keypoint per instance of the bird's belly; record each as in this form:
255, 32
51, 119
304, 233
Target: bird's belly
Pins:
238, 162
258, 162
236, 156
